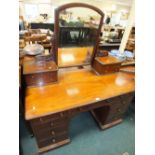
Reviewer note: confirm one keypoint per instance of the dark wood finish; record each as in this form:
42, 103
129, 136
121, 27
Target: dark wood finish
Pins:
39, 73
51, 131
56, 27
104, 65
111, 114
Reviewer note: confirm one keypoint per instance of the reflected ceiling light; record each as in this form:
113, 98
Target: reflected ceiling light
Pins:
113, 7
67, 57
120, 81
72, 91
97, 99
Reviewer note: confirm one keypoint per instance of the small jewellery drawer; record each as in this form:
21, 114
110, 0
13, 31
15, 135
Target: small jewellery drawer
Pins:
43, 78
50, 140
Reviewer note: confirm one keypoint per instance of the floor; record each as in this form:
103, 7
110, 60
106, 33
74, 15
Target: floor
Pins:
88, 139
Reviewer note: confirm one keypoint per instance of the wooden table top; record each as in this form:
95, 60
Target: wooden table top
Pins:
75, 89
73, 56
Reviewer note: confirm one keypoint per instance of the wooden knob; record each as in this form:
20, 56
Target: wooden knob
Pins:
52, 123
109, 101
32, 76
40, 119
119, 110
61, 114
80, 109
123, 102
53, 133
115, 118
53, 140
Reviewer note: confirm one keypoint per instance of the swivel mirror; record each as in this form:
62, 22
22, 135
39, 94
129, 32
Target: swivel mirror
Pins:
77, 29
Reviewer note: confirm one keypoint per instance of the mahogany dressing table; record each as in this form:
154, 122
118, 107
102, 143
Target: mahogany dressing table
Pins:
50, 108
107, 95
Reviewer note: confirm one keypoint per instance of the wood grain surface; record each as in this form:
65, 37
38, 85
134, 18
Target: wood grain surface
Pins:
75, 89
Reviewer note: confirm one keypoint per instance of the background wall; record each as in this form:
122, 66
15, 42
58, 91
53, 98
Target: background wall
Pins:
114, 8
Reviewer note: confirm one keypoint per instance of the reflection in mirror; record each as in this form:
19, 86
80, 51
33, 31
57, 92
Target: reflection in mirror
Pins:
78, 29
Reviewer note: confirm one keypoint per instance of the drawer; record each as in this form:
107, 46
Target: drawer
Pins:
50, 130
55, 118
93, 106
117, 111
114, 100
50, 141
60, 136
127, 98
43, 78
73, 112
30, 78
114, 118
50, 125
51, 133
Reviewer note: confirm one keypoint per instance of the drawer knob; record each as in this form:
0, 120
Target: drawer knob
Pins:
32, 76
108, 101
115, 118
52, 123
61, 114
40, 119
123, 102
53, 133
80, 109
53, 140
119, 110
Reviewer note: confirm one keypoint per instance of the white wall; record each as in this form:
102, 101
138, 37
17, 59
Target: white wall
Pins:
47, 6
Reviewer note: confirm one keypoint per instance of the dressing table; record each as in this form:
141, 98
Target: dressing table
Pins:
49, 108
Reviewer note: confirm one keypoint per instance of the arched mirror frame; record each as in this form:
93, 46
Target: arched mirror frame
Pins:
56, 27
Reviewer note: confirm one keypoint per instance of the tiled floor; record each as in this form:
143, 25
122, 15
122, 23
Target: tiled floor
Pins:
88, 139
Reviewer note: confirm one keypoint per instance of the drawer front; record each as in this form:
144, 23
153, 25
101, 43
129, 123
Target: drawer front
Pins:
111, 68
51, 133
51, 118
72, 112
103, 69
50, 140
114, 102
119, 105
50, 124
41, 78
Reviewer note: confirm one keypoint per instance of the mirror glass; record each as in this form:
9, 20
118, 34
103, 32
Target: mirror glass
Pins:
78, 27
